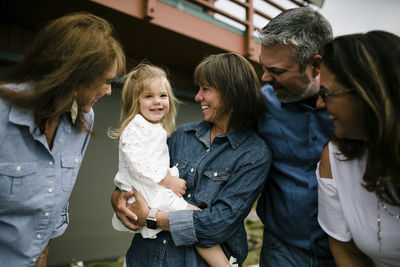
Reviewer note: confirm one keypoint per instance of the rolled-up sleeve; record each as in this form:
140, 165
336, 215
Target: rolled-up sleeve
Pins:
228, 210
62, 222
182, 227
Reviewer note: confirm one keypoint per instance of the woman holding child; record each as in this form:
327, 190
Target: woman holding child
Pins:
224, 163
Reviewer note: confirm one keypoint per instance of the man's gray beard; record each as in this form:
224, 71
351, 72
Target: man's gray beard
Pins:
306, 94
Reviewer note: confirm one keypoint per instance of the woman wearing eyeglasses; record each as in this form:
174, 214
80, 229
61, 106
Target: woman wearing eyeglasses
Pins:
359, 171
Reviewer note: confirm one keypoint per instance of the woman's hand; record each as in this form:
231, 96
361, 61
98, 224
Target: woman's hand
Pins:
140, 208
176, 184
134, 215
119, 202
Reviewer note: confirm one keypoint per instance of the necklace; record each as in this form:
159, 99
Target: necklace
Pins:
380, 204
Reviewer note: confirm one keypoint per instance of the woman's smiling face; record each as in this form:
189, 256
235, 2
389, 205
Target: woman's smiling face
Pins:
88, 94
345, 109
211, 104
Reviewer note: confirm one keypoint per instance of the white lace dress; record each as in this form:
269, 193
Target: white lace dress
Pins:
143, 163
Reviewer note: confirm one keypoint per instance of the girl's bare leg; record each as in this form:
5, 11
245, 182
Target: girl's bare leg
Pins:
214, 256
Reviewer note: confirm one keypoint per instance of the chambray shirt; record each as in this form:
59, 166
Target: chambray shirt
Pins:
35, 183
224, 179
296, 133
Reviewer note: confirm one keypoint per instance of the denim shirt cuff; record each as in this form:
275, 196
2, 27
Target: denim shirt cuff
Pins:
181, 227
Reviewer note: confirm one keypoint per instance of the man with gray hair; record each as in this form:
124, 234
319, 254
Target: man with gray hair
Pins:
296, 130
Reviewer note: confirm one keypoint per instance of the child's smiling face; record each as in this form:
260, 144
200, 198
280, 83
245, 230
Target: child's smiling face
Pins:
154, 101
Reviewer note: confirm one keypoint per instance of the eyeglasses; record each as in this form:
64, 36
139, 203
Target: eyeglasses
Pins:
324, 94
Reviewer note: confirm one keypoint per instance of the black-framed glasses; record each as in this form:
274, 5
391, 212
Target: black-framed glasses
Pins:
324, 94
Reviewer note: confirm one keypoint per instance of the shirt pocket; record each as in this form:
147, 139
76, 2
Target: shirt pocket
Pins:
70, 165
181, 165
17, 180
212, 183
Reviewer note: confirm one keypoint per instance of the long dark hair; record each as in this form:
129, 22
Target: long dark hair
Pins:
370, 63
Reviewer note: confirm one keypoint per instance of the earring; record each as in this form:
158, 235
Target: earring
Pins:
74, 110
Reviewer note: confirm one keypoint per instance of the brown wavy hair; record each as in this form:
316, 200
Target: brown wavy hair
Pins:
73, 50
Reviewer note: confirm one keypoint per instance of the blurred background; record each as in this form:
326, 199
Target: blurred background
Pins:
176, 35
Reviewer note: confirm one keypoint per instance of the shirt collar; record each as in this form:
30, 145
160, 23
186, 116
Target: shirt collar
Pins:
202, 132
301, 103
22, 117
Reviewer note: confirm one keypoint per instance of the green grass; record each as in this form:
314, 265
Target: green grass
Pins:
117, 263
254, 229
105, 264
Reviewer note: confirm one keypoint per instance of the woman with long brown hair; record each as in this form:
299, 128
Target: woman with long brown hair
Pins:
46, 118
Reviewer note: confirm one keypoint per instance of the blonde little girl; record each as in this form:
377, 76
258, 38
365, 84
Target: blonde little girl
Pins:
149, 107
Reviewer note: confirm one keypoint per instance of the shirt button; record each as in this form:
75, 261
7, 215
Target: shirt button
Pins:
38, 236
34, 259
76, 160
189, 195
50, 163
18, 168
47, 214
50, 189
215, 174
191, 170
164, 241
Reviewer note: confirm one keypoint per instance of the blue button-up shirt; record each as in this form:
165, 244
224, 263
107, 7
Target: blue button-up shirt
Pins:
296, 133
35, 183
224, 179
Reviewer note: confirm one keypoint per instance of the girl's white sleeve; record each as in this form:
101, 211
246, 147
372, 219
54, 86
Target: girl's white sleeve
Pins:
330, 212
137, 152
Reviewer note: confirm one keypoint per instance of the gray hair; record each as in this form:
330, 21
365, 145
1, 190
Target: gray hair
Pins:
305, 29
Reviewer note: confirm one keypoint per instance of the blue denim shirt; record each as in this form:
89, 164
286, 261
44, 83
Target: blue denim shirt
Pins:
224, 179
296, 133
35, 183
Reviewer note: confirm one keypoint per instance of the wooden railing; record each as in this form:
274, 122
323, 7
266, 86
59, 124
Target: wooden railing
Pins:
174, 15
250, 11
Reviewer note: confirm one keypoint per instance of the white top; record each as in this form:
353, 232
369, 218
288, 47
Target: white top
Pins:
143, 163
346, 210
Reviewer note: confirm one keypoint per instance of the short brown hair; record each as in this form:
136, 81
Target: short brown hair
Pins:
237, 82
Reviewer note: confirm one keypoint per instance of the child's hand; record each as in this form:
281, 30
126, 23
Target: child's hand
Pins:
176, 184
